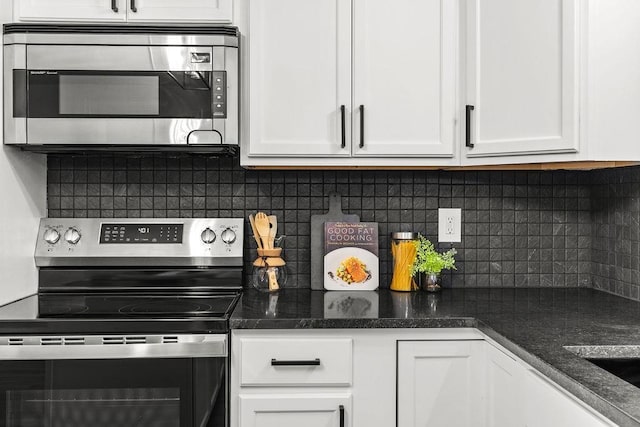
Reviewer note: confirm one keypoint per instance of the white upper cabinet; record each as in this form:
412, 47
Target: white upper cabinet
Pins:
405, 58
300, 78
71, 10
537, 82
180, 10
352, 81
613, 84
177, 11
522, 80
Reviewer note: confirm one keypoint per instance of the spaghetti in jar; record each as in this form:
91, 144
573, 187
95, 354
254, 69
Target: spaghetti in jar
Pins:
404, 248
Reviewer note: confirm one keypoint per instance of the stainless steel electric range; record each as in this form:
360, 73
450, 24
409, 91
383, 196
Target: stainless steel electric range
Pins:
129, 327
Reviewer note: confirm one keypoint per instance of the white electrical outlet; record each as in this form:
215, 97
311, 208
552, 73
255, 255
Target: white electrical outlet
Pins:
449, 225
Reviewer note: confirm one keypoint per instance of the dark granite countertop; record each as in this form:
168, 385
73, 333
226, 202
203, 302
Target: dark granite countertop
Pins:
534, 324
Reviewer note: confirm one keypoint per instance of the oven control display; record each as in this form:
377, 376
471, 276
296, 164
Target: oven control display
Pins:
141, 233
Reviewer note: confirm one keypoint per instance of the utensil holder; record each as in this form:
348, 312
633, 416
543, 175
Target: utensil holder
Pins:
269, 270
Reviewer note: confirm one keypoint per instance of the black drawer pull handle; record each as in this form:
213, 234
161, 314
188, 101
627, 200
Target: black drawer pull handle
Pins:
362, 126
343, 125
114, 6
341, 415
314, 362
134, 9
469, 109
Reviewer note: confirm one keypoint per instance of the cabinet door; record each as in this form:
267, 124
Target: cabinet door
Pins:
440, 384
180, 11
522, 77
319, 410
547, 405
300, 76
504, 378
405, 77
71, 10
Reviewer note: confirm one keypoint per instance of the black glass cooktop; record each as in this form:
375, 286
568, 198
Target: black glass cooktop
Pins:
115, 306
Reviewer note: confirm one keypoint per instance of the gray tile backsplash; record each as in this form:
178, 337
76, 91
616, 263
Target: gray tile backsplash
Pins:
616, 231
519, 228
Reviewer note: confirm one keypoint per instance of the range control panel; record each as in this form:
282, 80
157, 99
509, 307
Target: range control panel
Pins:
141, 233
140, 242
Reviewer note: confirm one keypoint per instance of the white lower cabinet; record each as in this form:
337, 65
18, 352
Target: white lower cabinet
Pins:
504, 376
391, 377
318, 372
440, 383
273, 410
545, 404
518, 395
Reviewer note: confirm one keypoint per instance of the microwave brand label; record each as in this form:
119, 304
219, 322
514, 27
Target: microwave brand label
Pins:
41, 73
200, 58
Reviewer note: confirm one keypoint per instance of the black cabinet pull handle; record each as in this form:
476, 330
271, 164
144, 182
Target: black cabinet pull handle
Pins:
362, 126
343, 125
469, 109
341, 415
314, 362
114, 6
134, 9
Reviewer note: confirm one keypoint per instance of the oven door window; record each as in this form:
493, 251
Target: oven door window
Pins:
127, 392
117, 94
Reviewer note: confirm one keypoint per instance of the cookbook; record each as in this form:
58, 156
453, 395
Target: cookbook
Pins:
351, 261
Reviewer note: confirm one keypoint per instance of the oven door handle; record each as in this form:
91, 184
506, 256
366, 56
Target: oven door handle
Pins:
113, 347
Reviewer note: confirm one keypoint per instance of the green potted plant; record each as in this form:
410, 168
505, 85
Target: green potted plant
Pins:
429, 263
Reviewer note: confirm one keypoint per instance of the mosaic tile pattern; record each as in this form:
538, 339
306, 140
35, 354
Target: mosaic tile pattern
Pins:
520, 229
615, 208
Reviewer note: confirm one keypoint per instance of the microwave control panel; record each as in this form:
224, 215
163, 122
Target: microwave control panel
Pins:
219, 81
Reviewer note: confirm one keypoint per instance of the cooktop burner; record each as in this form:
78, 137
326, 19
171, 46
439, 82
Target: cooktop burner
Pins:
109, 306
161, 307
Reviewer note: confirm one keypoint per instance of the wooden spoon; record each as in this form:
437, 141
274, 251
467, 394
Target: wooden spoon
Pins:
263, 228
273, 232
255, 232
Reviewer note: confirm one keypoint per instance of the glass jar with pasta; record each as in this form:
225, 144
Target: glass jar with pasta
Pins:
404, 250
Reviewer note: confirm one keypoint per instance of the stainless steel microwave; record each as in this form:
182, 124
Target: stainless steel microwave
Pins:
121, 87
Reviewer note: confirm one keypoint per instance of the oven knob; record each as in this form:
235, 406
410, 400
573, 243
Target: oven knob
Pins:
51, 236
228, 236
208, 236
72, 236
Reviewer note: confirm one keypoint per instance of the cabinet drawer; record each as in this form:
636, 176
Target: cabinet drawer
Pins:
295, 362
